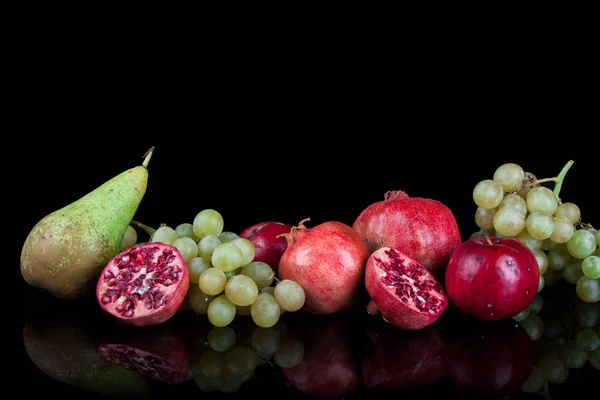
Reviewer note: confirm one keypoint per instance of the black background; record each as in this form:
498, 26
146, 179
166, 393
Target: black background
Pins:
286, 139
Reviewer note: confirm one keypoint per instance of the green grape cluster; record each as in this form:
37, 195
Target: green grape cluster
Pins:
225, 280
515, 204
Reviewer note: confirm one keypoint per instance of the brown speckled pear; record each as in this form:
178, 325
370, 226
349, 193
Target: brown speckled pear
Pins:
66, 250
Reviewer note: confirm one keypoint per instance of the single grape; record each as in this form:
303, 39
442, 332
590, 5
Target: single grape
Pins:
204, 383
227, 236
207, 245
542, 261
260, 272
247, 248
558, 258
230, 274
534, 326
265, 311
510, 176
197, 266
212, 364
221, 311
483, 233
551, 277
582, 244
522, 315
199, 300
587, 315
289, 295
208, 222
591, 267
588, 289
594, 358
563, 230
221, 338
597, 253
553, 369
540, 225
229, 383
535, 383
265, 342
484, 218
241, 360
508, 222
488, 194
532, 243
242, 310
536, 304
129, 238
572, 355
570, 211
186, 230
241, 290
227, 257
548, 245
212, 281
269, 289
588, 339
541, 283
598, 238
187, 247
525, 191
541, 199
290, 353
164, 234
514, 201
572, 272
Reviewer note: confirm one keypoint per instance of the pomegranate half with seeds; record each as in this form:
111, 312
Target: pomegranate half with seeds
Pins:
144, 285
405, 292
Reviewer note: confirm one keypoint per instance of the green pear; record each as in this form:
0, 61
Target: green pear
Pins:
67, 249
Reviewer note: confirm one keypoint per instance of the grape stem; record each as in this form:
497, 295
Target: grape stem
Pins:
561, 177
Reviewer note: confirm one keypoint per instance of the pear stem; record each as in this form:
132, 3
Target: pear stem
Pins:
149, 230
147, 157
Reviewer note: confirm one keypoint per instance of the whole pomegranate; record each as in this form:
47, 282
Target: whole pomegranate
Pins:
424, 229
268, 244
143, 285
405, 293
328, 261
492, 278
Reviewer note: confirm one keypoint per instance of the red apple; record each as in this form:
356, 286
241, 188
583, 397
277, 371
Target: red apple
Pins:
268, 247
492, 278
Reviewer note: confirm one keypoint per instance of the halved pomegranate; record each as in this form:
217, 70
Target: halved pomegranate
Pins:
405, 292
143, 285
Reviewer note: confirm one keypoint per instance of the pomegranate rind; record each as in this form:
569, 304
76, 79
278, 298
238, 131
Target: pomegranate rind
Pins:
392, 308
170, 277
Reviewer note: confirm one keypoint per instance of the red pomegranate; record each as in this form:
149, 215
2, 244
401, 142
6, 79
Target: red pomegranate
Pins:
328, 261
143, 285
423, 229
405, 293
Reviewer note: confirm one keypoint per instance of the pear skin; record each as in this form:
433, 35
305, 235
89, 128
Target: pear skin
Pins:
66, 250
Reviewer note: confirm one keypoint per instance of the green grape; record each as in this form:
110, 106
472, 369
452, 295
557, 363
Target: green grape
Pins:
536, 304
525, 191
594, 358
265, 311
558, 258
247, 248
598, 238
199, 301
204, 383
221, 338
260, 272
591, 267
483, 233
563, 230
522, 315
212, 281
164, 234
597, 253
541, 199
290, 353
548, 245
289, 295
186, 230
230, 274
484, 218
227, 236
540, 225
541, 283
187, 247
242, 310
582, 244
535, 383
572, 355
265, 342
228, 383
572, 272
221, 311
551, 277
532, 243
129, 238
570, 211
534, 326
587, 315
588, 339
553, 369
197, 266
268, 289
509, 176
208, 222
241, 360
212, 364
207, 245
514, 201
488, 194
241, 290
508, 222
588, 289
227, 257
542, 261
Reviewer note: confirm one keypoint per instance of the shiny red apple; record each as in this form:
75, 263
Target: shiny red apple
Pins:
268, 246
492, 278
